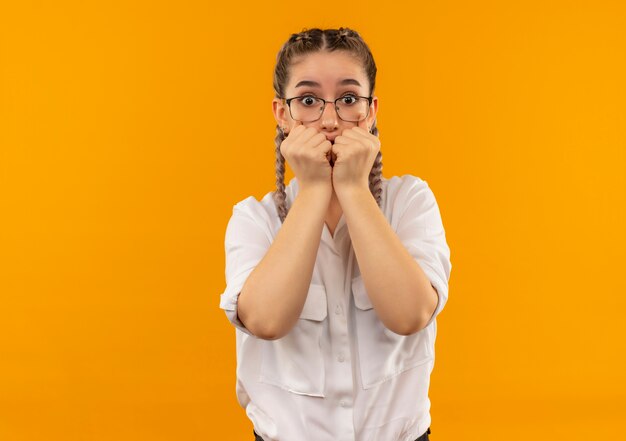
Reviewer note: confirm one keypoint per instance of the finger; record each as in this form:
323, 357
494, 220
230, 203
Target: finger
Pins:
342, 140
364, 125
353, 133
323, 144
298, 128
326, 148
296, 124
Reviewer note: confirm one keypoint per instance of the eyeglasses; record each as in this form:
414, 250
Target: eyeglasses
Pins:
309, 108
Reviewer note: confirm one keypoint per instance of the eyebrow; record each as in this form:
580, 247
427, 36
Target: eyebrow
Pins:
347, 81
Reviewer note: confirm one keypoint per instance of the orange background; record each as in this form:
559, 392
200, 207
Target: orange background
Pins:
128, 130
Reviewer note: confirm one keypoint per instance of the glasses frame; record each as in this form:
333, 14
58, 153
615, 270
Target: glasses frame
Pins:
368, 98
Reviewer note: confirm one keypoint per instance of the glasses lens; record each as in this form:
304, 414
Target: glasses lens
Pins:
306, 108
349, 107
353, 108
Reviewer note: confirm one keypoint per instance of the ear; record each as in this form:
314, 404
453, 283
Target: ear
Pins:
281, 114
373, 111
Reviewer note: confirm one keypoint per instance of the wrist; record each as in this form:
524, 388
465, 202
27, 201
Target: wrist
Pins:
351, 187
316, 191
351, 190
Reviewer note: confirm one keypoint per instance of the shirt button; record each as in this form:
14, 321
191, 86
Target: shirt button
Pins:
341, 358
338, 310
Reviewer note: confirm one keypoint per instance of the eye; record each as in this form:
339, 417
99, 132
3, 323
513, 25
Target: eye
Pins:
308, 100
349, 99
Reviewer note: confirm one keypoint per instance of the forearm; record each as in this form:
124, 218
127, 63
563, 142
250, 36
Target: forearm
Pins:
398, 288
274, 294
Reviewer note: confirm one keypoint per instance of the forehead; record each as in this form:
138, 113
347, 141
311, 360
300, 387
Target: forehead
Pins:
327, 69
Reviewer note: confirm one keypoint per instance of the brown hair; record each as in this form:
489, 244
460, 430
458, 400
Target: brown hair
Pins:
310, 41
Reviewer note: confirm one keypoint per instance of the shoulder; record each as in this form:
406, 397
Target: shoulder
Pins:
261, 213
251, 207
403, 181
264, 209
408, 199
402, 190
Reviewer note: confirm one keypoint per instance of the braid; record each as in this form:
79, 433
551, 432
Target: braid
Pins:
376, 173
303, 37
280, 197
344, 33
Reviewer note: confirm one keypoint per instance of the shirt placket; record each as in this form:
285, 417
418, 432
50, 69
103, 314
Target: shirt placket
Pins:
340, 384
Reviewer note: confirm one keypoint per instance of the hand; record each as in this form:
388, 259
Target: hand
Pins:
355, 149
306, 151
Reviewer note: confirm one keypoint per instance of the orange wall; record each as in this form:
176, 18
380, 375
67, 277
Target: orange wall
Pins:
128, 130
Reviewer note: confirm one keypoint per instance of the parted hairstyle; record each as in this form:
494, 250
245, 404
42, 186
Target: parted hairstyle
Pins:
310, 41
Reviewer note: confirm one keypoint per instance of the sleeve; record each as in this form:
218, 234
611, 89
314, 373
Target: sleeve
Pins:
246, 241
421, 230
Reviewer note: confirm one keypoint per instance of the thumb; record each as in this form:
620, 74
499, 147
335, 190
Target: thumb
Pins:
364, 124
297, 123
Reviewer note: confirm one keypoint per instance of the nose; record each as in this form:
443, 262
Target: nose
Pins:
329, 118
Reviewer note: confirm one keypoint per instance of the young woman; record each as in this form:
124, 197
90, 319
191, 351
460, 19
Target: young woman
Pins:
334, 282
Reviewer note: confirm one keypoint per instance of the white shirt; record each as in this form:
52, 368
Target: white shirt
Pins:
339, 374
